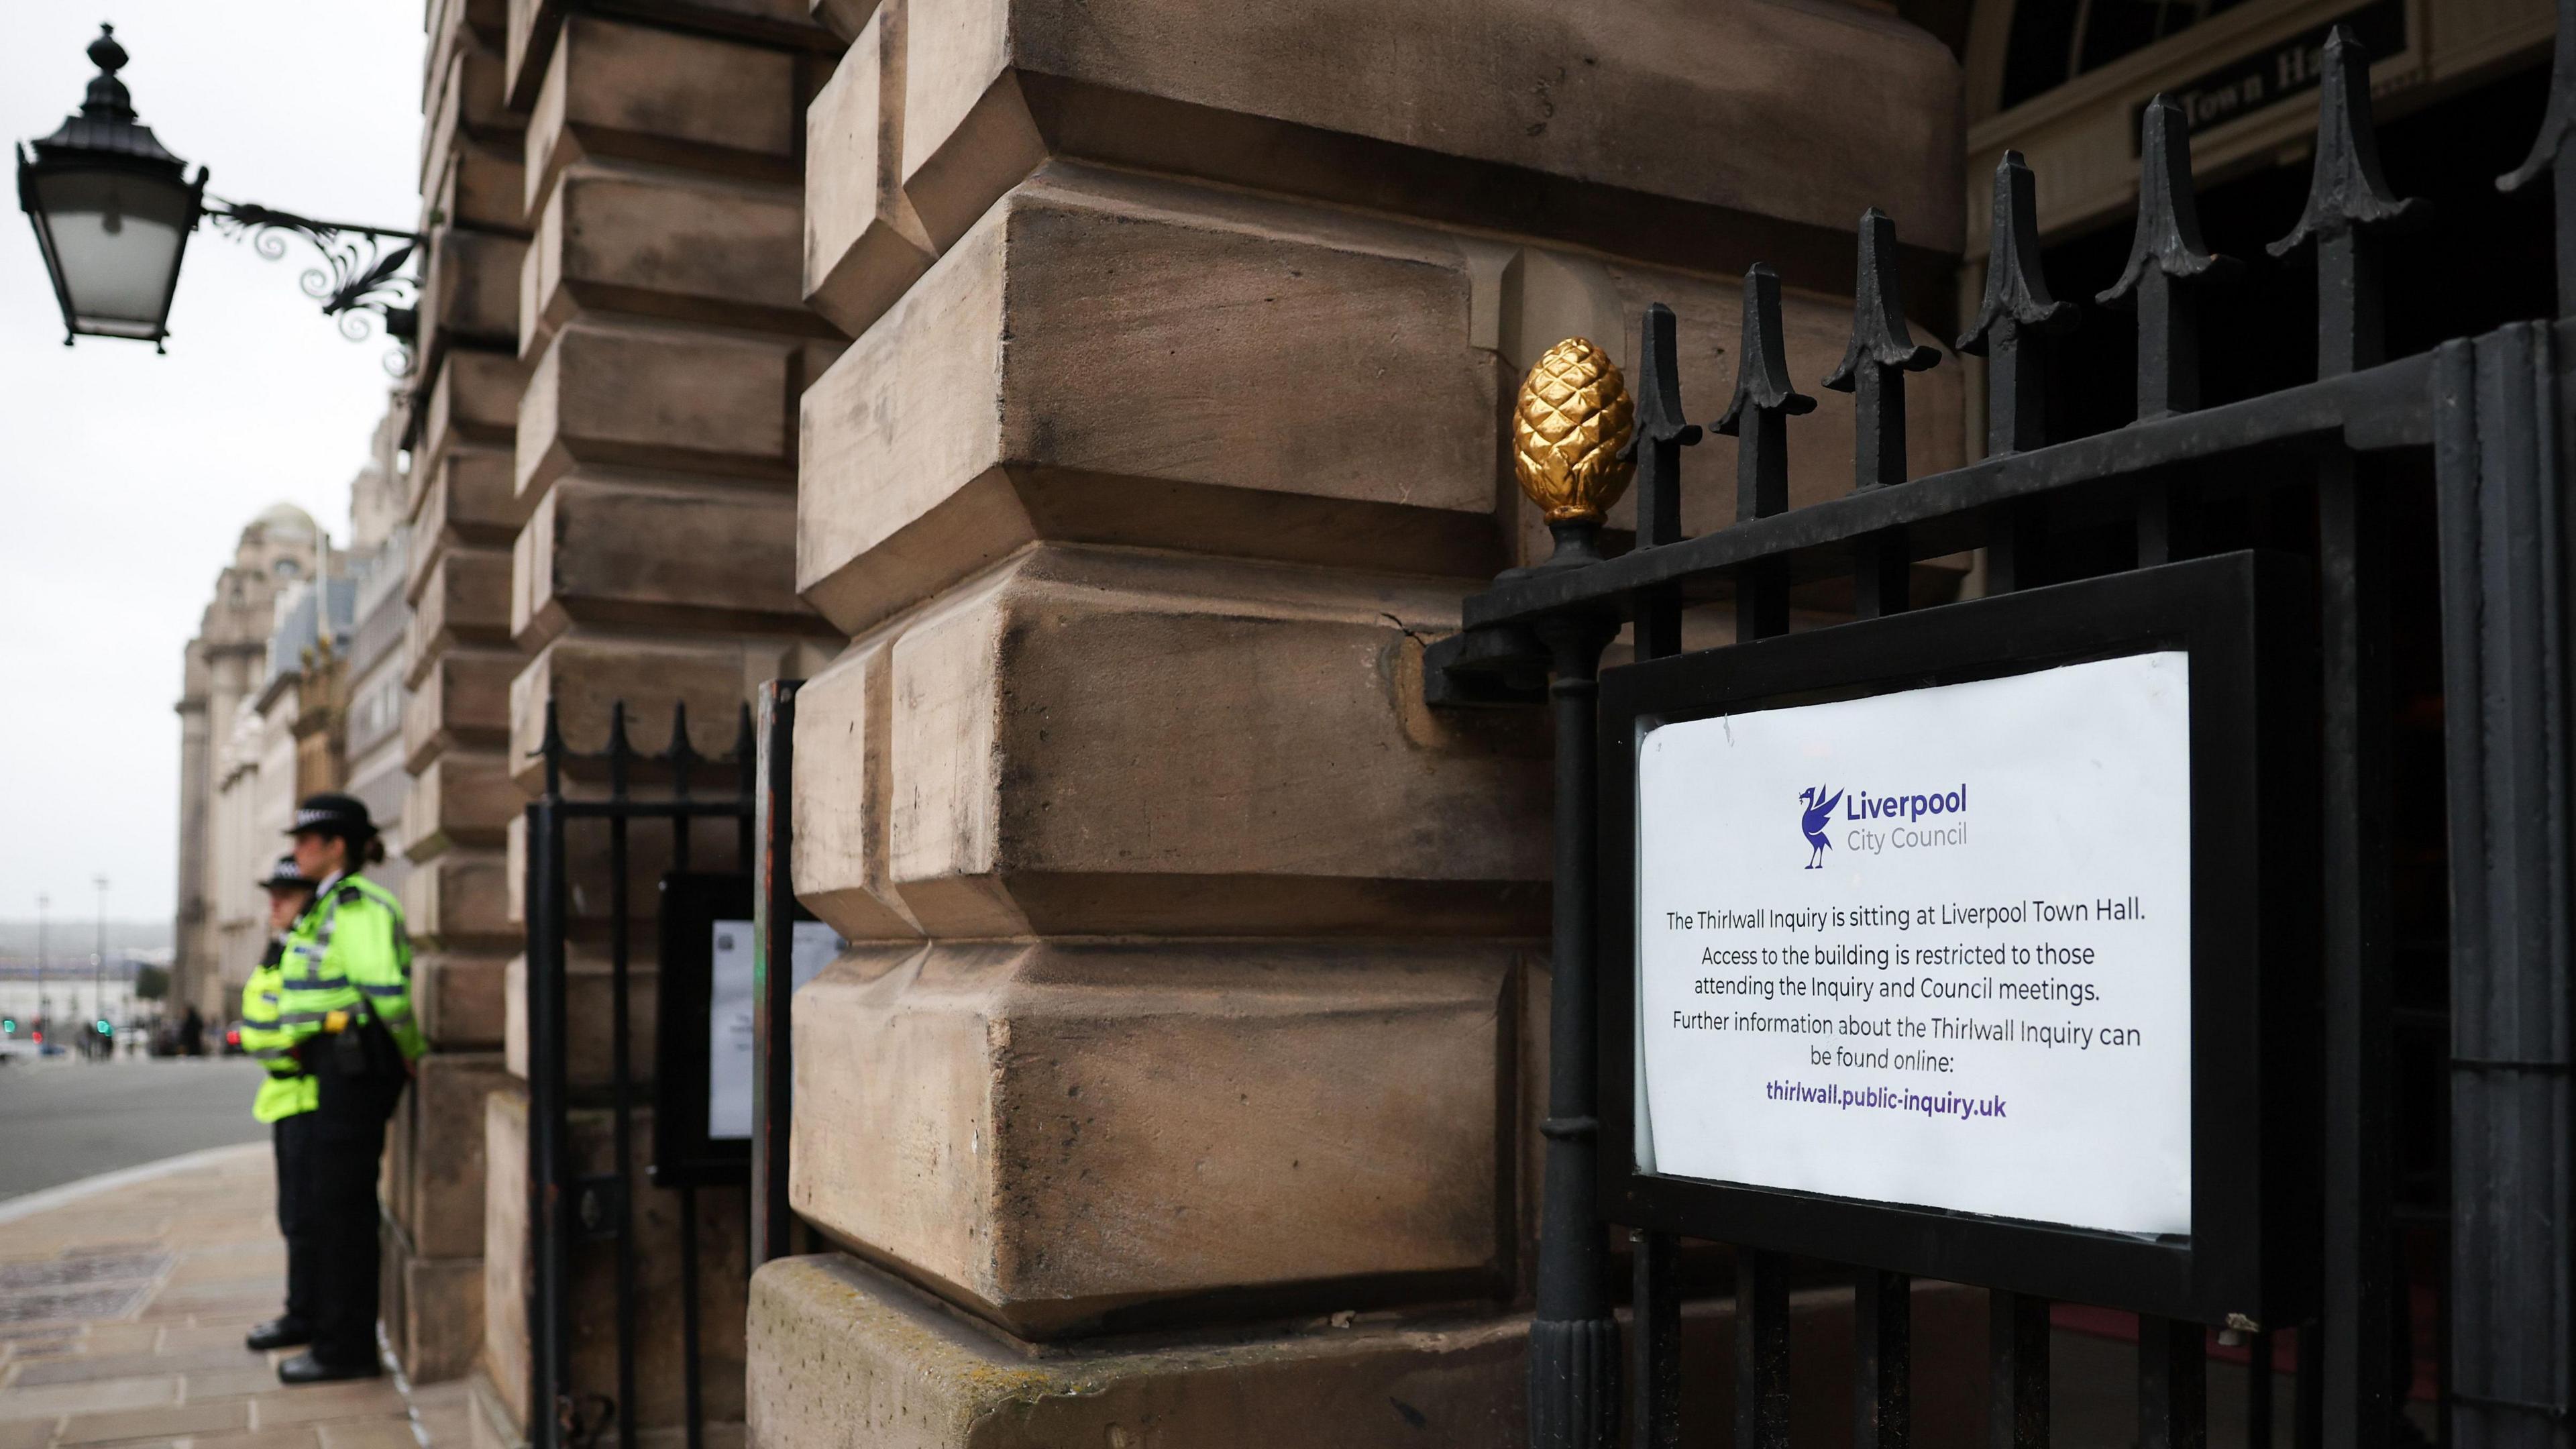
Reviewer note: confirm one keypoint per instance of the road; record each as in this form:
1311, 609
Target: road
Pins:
61, 1119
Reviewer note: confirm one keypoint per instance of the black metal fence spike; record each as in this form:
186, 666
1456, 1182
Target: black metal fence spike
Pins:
2017, 296
2168, 237
2346, 191
743, 749
620, 748
1879, 334
1758, 420
1662, 432
1662, 429
1762, 367
679, 750
550, 746
1882, 351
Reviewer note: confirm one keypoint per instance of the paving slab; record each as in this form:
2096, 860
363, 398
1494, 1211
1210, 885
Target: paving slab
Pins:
122, 1310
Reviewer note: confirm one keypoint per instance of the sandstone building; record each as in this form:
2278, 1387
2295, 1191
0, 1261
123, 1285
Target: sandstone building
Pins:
1100, 406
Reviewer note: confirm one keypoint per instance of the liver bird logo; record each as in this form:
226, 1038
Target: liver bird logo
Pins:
1820, 808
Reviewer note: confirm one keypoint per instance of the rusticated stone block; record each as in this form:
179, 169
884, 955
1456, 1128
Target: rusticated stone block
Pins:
465, 601
584, 677
1086, 742
681, 556
474, 399
863, 242
458, 900
660, 397
1063, 1132
1618, 126
666, 96
931, 448
468, 499
459, 998
435, 1167
480, 184
433, 1311
843, 796
722, 1286
844, 18
461, 701
507, 1256
656, 242
589, 1005
842, 1354
461, 798
464, 98
470, 290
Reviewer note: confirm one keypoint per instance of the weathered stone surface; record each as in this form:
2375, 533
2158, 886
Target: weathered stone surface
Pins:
863, 242
465, 601
507, 1259
584, 676
843, 796
590, 904
534, 26
434, 1176
1087, 741
663, 552
1619, 125
459, 998
1062, 1131
657, 242
461, 701
842, 1354
470, 292
461, 798
660, 397
844, 18
931, 448
722, 1285
464, 98
473, 399
666, 96
459, 900
481, 184
468, 497
589, 1004
433, 1311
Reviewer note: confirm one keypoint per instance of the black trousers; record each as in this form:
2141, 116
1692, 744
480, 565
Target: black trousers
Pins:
293, 1137
348, 1138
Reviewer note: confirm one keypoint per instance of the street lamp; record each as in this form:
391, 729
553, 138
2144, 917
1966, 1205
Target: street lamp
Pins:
113, 209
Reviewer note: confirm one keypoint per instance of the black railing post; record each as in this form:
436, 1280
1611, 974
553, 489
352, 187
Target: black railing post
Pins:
2011, 332
1882, 1360
1574, 1343
1654, 1341
773, 927
2167, 264
1761, 1350
1758, 419
2551, 153
1662, 433
1873, 370
2348, 202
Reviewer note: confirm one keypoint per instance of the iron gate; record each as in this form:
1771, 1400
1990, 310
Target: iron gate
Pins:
2486, 413
566, 1206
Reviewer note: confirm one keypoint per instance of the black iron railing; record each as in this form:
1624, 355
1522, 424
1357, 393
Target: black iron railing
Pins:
2485, 414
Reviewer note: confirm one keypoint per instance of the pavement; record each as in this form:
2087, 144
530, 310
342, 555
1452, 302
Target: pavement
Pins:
63, 1119
123, 1301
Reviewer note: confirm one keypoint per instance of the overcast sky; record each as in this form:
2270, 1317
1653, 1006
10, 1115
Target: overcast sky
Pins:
125, 477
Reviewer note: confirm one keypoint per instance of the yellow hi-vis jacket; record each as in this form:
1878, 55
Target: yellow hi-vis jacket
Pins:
350, 954
288, 1089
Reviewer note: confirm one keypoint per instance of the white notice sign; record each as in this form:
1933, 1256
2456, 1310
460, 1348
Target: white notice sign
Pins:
1928, 948
729, 1047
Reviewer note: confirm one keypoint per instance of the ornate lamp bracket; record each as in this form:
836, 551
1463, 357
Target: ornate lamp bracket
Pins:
361, 270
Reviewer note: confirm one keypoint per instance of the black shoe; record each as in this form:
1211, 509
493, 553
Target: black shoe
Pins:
279, 1333
304, 1368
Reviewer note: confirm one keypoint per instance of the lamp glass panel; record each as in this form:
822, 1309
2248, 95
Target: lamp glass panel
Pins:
116, 238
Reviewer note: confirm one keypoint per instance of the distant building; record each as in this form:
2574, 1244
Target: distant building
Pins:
293, 686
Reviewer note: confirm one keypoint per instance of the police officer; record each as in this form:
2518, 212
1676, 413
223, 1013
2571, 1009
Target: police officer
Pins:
285, 1103
345, 1007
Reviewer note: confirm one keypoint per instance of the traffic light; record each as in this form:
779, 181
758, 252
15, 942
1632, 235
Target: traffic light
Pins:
104, 1029
9, 1025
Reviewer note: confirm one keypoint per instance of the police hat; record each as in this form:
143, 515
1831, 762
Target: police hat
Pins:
333, 814
286, 875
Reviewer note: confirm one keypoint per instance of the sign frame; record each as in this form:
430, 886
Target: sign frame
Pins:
684, 988
2247, 622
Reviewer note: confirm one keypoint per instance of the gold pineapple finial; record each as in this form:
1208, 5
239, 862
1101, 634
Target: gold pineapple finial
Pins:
1569, 428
